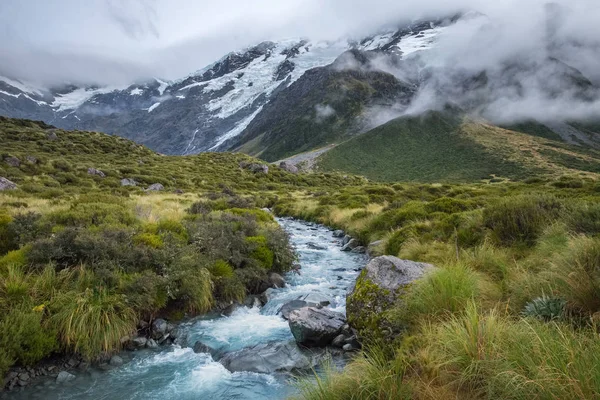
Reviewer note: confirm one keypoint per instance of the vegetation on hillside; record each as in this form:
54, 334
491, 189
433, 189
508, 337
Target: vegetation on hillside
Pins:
442, 147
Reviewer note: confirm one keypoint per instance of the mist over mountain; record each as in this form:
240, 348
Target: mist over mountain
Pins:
506, 63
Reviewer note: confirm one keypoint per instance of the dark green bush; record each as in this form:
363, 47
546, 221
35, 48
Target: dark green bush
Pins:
521, 219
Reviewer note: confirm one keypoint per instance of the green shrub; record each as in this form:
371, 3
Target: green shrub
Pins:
88, 214
146, 291
448, 205
584, 218
150, 240
93, 322
259, 251
221, 269
230, 289
397, 239
521, 219
23, 338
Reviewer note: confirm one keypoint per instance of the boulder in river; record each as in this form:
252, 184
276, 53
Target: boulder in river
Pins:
159, 328
315, 246
200, 347
267, 358
351, 245
315, 327
378, 288
64, 376
338, 233
290, 306
276, 280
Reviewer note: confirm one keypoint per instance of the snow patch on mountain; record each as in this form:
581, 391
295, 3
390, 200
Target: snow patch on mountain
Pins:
153, 107
77, 97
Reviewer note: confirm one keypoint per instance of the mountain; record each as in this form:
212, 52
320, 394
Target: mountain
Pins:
206, 110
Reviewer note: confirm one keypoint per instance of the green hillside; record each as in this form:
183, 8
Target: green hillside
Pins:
441, 147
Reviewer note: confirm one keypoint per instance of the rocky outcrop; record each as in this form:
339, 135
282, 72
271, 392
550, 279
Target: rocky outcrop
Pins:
315, 327
338, 233
12, 161
268, 358
128, 182
255, 167
289, 167
5, 184
378, 288
96, 172
155, 187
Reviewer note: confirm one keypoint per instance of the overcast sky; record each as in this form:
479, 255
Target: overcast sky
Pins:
116, 41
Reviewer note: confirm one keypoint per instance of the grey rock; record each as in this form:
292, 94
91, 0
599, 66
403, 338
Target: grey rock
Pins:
315, 246
227, 311
266, 295
64, 376
159, 328
12, 161
24, 376
139, 342
339, 341
359, 250
128, 182
338, 233
253, 301
200, 347
290, 306
96, 172
387, 278
346, 239
143, 324
314, 327
155, 187
52, 136
391, 273
267, 358
289, 167
351, 245
276, 280
116, 361
255, 167
31, 159
316, 298
151, 344
5, 184
349, 347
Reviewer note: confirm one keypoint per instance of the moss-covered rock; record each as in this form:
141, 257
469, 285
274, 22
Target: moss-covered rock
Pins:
379, 287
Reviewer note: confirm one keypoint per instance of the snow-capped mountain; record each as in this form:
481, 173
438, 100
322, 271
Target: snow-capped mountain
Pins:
208, 109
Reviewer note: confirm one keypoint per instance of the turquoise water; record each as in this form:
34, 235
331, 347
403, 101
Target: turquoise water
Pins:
179, 373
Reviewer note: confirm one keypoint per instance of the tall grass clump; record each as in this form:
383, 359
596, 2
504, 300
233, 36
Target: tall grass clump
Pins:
576, 274
92, 322
492, 356
372, 375
519, 220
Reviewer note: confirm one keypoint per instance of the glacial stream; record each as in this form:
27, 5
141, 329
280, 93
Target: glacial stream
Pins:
178, 373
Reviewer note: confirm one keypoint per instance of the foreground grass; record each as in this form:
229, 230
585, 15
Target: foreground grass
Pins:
510, 312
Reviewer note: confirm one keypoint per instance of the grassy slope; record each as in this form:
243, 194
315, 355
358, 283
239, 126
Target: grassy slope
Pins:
439, 147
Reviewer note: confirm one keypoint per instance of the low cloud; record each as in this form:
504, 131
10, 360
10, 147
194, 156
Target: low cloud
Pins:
323, 111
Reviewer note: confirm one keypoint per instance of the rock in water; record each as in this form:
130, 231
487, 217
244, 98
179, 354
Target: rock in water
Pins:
5, 184
116, 361
351, 245
276, 280
314, 327
338, 234
64, 376
290, 306
267, 358
379, 287
159, 328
